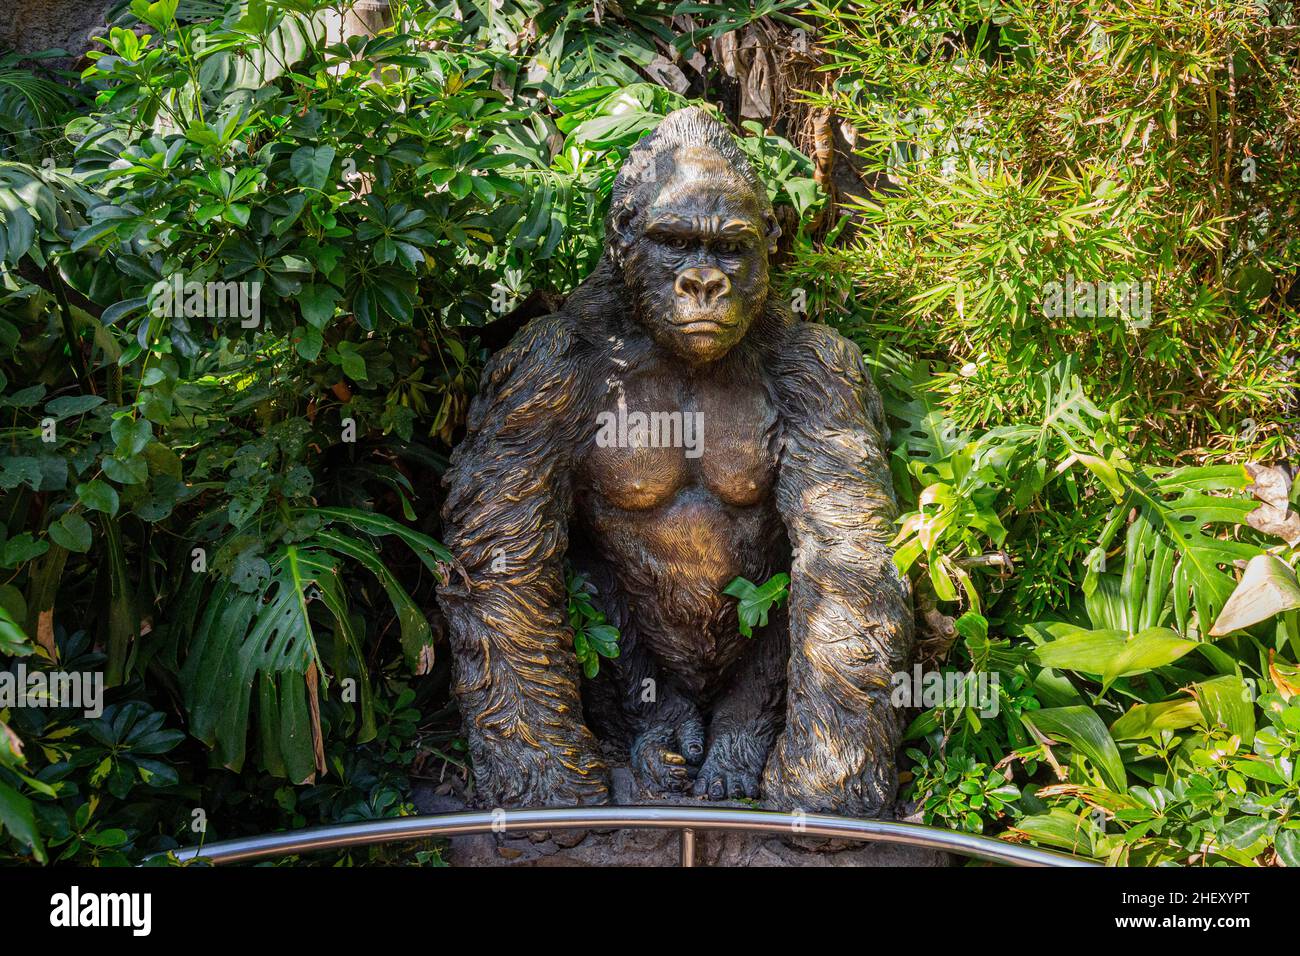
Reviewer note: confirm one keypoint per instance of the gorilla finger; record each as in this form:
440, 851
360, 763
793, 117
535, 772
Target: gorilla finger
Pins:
673, 759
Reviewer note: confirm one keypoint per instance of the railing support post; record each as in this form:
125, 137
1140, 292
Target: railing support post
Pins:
688, 846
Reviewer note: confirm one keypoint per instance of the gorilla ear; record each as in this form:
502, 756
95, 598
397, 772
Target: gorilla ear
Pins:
620, 233
772, 232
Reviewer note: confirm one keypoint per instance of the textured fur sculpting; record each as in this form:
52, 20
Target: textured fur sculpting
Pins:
794, 476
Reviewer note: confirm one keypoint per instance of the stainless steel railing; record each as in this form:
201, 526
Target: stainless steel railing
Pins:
688, 820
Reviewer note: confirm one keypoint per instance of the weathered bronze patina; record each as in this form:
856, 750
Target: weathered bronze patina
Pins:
762, 448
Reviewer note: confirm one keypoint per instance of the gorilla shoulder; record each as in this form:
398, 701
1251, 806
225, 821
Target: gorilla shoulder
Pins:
534, 374
820, 366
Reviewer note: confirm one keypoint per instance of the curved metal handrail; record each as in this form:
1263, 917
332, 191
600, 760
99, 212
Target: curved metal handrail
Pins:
686, 819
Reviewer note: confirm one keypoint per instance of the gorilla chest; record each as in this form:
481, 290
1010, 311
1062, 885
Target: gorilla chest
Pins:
661, 442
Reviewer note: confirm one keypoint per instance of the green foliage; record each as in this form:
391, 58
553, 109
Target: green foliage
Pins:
243, 499
1013, 145
256, 631
755, 601
31, 108
1123, 691
239, 328
593, 636
960, 792
84, 789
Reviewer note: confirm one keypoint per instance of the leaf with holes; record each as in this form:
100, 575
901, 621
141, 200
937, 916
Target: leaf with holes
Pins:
1178, 525
263, 641
261, 633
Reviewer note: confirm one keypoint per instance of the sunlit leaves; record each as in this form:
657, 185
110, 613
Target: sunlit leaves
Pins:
755, 601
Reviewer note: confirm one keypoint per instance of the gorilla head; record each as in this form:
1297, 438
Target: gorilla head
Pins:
691, 228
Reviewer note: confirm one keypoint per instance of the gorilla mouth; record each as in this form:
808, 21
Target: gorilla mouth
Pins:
702, 320
693, 325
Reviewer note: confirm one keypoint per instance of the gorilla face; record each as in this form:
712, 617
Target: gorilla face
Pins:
696, 258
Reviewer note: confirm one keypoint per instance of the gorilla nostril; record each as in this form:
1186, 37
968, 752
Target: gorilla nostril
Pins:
715, 285
703, 285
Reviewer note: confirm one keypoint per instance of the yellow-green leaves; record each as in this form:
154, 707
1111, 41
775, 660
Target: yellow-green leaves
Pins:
1228, 703
1110, 654
1149, 720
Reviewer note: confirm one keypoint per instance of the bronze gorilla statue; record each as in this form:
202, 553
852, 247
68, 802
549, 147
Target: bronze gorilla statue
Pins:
774, 460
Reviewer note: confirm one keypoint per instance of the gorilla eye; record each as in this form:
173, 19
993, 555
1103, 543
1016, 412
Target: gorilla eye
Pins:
679, 243
730, 247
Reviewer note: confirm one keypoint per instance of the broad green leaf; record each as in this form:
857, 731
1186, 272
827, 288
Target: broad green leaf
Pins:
1082, 729
20, 549
1059, 828
98, 496
1227, 702
1244, 832
307, 342
317, 301
72, 531
416, 635
1111, 654
428, 550
1148, 720
311, 165
1287, 844
755, 602
263, 641
17, 818
68, 405
20, 469
131, 435
354, 366
13, 641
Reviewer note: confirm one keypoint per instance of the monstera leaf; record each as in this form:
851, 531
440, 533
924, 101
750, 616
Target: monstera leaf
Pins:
284, 38
921, 430
265, 640
1176, 557
1200, 579
34, 204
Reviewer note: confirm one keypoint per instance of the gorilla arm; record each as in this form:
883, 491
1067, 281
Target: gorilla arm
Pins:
505, 519
850, 614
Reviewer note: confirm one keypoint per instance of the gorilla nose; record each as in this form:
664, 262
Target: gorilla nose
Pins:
705, 286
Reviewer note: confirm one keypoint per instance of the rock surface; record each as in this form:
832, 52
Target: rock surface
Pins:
29, 26
658, 847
